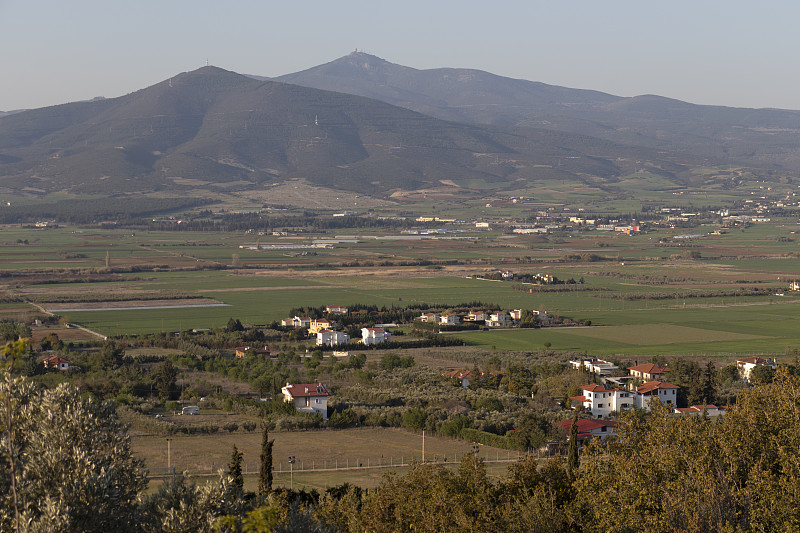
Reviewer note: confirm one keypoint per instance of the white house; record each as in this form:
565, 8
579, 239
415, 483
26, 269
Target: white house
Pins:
462, 375
56, 362
429, 317
497, 320
450, 320
595, 366
542, 317
600, 401
336, 309
667, 393
710, 410
478, 316
590, 429
330, 337
296, 322
307, 398
748, 364
374, 335
516, 314
648, 372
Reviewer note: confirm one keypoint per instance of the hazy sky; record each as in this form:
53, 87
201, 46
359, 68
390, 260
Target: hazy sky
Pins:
723, 52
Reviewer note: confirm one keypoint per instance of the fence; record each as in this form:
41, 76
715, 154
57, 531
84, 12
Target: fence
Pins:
344, 464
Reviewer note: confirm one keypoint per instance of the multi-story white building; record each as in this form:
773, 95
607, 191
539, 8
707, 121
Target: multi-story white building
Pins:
429, 317
595, 366
748, 364
497, 320
667, 393
450, 320
648, 372
330, 337
600, 401
374, 335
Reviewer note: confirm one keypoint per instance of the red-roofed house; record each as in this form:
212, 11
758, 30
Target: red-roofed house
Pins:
463, 375
296, 322
56, 362
589, 429
244, 351
307, 397
374, 336
600, 401
747, 365
319, 324
429, 317
450, 319
711, 410
648, 372
667, 393
330, 337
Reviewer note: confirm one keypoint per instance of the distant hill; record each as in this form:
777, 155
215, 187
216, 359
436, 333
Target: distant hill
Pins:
214, 130
758, 137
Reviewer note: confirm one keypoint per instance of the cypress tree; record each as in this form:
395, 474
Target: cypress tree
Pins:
265, 477
235, 468
572, 455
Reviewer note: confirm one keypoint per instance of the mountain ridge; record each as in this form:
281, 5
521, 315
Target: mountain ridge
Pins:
762, 137
215, 130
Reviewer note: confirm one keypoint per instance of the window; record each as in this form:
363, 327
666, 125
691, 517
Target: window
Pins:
599, 405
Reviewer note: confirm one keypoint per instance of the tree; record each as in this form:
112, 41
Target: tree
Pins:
572, 456
110, 356
235, 468
762, 374
11, 331
52, 342
265, 475
234, 325
165, 378
703, 386
414, 418
70, 461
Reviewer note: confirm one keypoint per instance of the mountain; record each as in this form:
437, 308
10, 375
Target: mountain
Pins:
758, 137
214, 130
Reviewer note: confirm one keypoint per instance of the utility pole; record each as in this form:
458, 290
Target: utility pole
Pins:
169, 456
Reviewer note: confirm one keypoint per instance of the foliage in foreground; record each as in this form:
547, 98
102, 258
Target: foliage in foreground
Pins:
69, 468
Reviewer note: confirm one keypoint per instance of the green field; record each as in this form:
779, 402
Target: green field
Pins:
650, 297
737, 329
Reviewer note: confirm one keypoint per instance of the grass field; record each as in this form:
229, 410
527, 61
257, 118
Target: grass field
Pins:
337, 453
